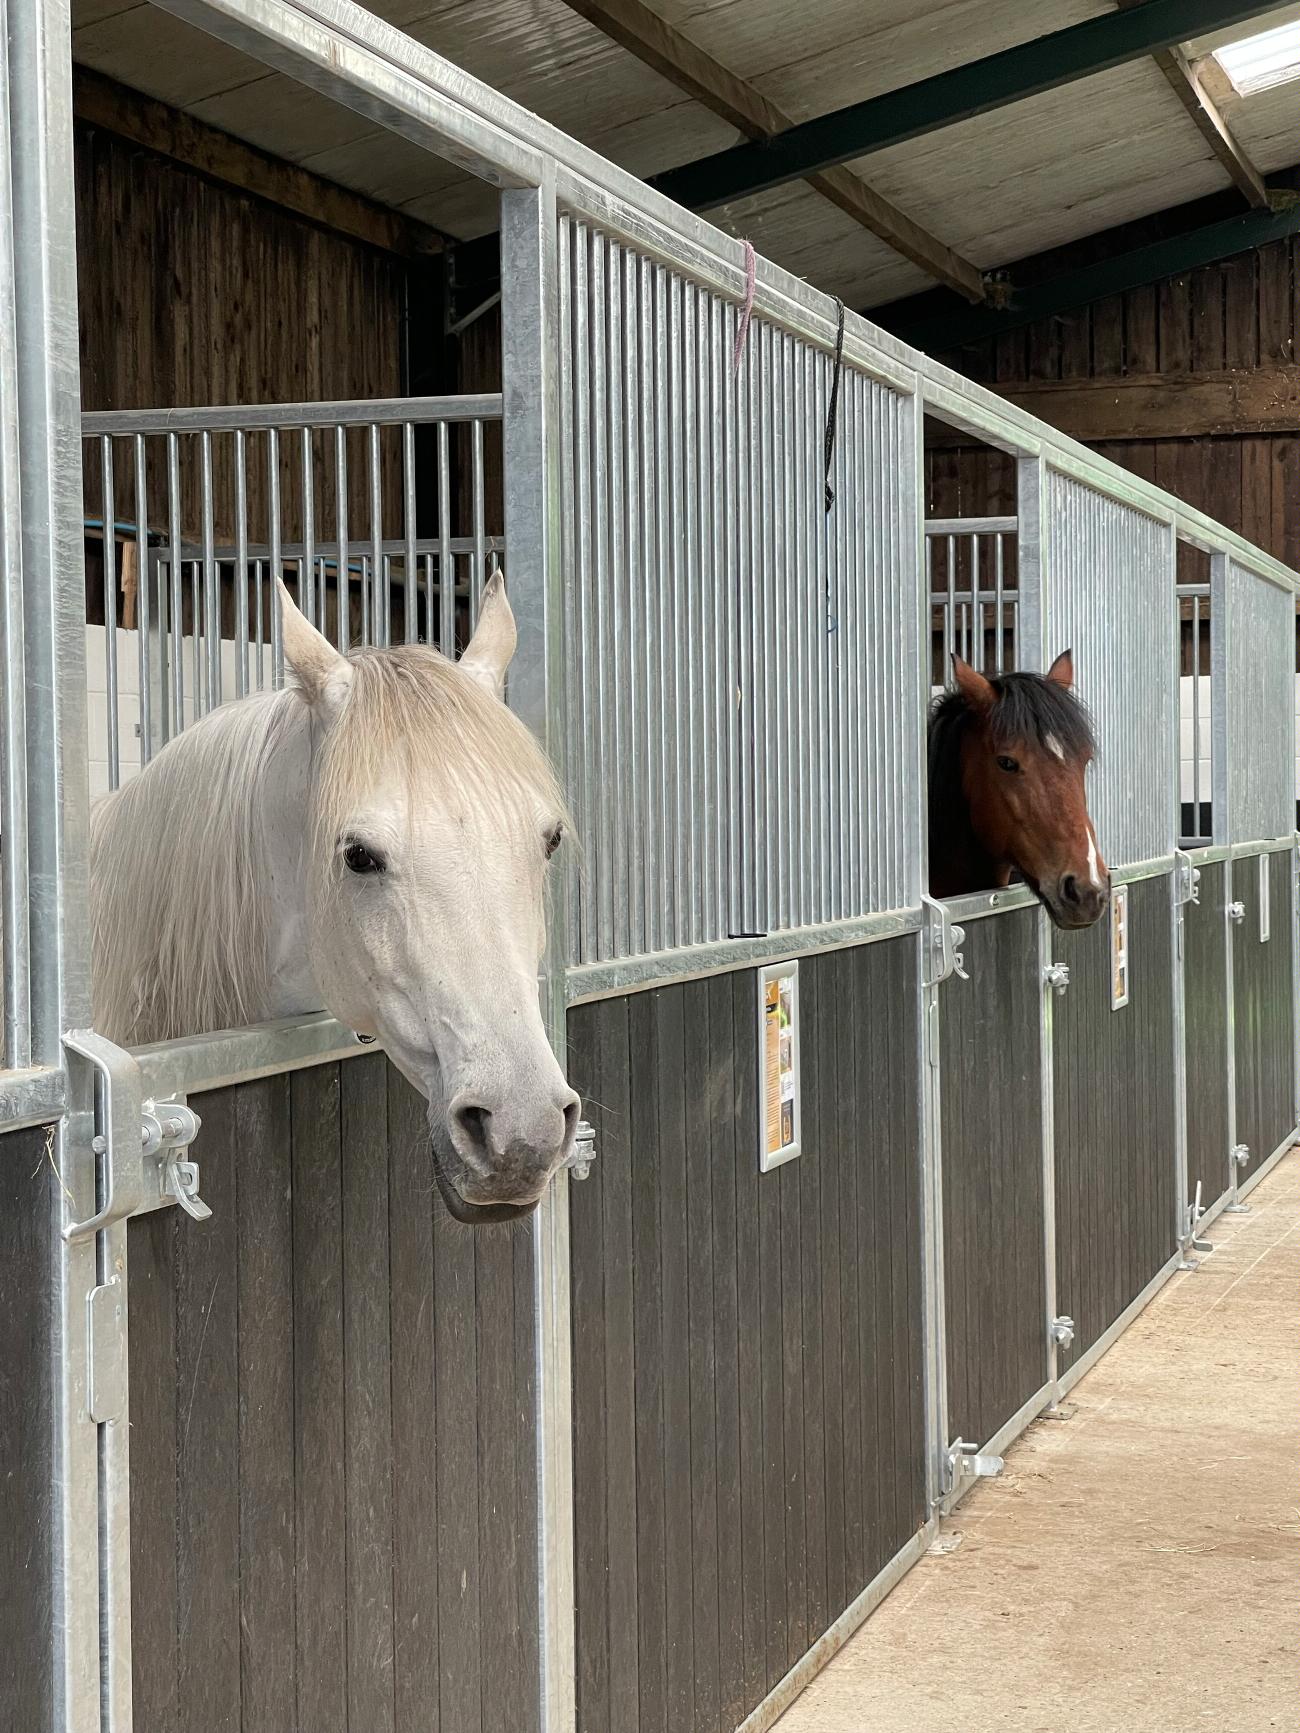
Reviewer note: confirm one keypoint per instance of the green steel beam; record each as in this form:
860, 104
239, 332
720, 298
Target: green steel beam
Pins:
938, 332
1094, 46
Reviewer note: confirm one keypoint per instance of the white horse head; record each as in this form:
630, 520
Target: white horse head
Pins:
372, 840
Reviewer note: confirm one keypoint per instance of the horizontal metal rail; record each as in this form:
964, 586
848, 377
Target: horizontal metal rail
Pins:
285, 417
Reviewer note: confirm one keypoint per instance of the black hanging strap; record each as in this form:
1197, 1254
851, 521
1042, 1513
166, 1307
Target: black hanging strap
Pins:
833, 410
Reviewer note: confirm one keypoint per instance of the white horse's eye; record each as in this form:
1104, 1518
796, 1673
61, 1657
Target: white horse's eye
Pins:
357, 858
553, 840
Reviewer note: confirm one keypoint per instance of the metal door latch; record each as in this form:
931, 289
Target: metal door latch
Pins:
1057, 976
1189, 880
140, 1144
1061, 1331
945, 956
1236, 911
1189, 1242
580, 1157
967, 1462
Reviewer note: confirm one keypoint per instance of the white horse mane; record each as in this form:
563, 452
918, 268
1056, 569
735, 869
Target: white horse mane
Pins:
180, 939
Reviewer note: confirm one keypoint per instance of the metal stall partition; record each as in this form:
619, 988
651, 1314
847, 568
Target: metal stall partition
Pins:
744, 728
1107, 582
1255, 669
61, 1431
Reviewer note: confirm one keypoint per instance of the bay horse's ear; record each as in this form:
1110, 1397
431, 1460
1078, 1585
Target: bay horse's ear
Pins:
973, 687
1062, 670
322, 672
489, 651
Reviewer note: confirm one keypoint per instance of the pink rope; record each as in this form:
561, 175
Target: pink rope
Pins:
742, 330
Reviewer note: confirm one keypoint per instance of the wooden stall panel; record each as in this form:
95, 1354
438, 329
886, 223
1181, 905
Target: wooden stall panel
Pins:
1114, 1118
995, 1317
1205, 966
28, 1322
332, 1457
748, 1434
1263, 1012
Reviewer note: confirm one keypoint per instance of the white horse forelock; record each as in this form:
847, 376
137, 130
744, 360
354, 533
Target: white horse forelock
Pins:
181, 919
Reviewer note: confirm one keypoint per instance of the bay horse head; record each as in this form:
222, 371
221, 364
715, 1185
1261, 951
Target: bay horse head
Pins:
1008, 758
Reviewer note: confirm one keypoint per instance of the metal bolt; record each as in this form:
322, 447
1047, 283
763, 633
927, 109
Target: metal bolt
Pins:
1062, 1331
1057, 976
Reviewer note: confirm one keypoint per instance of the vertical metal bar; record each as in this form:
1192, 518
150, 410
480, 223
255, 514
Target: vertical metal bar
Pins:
446, 570
110, 608
176, 578
307, 596
212, 595
617, 586
999, 598
409, 573
15, 936
241, 567
259, 603
530, 341
342, 580
276, 558
195, 569
38, 166
478, 574
594, 668
383, 601
152, 657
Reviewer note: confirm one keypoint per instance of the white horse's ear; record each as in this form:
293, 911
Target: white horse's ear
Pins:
488, 653
322, 673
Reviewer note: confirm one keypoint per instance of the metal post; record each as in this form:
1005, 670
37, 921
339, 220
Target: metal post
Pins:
530, 357
1033, 615
1180, 889
1224, 829
935, 1356
40, 164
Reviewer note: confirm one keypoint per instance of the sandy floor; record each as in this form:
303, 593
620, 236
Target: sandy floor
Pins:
1135, 1568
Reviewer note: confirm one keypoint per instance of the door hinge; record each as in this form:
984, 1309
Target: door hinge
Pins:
1061, 1330
580, 1157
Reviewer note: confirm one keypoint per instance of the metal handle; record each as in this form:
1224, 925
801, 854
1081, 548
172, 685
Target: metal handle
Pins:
957, 936
124, 1179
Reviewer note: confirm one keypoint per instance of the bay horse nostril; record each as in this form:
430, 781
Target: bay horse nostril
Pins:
1070, 889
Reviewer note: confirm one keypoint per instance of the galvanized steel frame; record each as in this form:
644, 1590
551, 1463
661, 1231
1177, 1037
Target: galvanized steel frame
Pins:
372, 67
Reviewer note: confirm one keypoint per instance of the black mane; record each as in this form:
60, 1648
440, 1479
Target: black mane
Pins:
1026, 707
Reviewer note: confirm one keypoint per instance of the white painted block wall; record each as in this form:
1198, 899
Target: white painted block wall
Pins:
128, 698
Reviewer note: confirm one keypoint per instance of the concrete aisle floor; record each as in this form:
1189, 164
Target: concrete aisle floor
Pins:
1135, 1568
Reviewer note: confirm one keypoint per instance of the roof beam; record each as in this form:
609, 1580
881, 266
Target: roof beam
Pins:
1185, 81
1096, 45
944, 331
99, 101
675, 57
1263, 400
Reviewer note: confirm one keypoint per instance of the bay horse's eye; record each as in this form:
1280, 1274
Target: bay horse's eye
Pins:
357, 858
553, 840
1010, 765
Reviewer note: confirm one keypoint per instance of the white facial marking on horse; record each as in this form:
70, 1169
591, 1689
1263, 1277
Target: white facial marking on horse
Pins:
1055, 748
1093, 878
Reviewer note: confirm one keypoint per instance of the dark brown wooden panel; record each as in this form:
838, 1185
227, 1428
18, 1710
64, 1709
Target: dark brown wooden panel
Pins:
1114, 1117
748, 1442
1205, 975
28, 1323
1263, 1014
991, 1092
333, 1488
